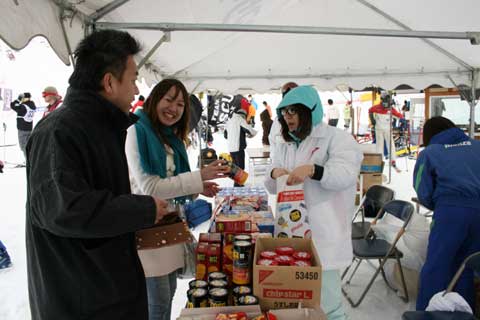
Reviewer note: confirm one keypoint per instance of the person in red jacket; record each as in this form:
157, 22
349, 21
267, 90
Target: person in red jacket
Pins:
380, 117
139, 103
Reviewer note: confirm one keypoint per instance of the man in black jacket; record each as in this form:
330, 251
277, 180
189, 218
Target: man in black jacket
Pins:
25, 109
81, 218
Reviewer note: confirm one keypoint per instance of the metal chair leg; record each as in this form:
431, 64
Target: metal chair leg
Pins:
404, 284
354, 271
346, 270
364, 293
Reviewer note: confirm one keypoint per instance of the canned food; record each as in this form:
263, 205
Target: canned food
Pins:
241, 273
284, 260
284, 251
267, 262
302, 255
268, 254
247, 300
242, 251
240, 291
218, 284
198, 284
197, 298
218, 297
301, 263
242, 237
216, 275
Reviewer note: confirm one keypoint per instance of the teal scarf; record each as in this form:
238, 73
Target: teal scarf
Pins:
153, 156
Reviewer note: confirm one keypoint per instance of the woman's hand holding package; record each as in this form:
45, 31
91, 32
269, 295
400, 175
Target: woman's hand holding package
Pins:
278, 172
162, 210
299, 174
214, 170
210, 188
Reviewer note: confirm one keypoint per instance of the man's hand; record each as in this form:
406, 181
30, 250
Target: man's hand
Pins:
210, 189
161, 206
278, 172
299, 174
215, 170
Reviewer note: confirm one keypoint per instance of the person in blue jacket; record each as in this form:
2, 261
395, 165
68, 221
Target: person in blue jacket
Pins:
447, 181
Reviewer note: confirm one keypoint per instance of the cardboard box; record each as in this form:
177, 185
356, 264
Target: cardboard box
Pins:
299, 314
210, 313
283, 287
201, 262
370, 179
372, 162
242, 222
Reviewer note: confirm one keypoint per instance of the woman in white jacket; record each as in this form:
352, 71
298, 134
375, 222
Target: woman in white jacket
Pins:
158, 166
327, 161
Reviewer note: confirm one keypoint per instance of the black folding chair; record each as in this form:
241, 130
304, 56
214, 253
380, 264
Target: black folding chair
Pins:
375, 196
471, 262
372, 248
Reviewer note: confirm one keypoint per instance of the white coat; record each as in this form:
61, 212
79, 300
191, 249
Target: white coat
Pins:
330, 201
162, 261
233, 128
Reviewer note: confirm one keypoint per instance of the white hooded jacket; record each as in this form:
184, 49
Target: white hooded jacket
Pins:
330, 201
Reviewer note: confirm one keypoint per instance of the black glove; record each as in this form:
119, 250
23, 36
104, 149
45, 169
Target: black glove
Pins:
1, 167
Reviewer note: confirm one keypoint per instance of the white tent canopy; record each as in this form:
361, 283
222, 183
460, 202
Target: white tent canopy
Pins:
263, 61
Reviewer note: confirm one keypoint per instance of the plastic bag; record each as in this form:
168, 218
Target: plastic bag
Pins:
188, 270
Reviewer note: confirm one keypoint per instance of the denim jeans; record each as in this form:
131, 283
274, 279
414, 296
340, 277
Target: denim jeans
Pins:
160, 291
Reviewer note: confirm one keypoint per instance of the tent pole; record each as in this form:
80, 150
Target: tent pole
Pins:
473, 37
433, 45
65, 36
100, 13
473, 102
164, 38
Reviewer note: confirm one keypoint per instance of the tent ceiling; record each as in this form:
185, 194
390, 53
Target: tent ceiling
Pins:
262, 62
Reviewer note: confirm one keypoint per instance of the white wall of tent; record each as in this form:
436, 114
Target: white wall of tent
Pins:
257, 45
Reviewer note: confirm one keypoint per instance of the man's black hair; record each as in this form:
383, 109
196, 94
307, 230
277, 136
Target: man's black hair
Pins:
101, 52
433, 126
330, 101
141, 98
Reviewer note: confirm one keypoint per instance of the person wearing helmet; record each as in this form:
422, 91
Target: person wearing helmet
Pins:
380, 114
327, 161
447, 181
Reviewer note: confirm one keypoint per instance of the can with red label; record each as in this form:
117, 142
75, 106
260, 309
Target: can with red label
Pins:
302, 255
267, 262
284, 260
301, 263
284, 251
268, 254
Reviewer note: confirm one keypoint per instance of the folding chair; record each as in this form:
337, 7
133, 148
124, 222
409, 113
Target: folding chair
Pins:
371, 248
377, 195
471, 262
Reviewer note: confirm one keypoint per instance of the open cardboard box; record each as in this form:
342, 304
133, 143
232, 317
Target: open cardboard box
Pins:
284, 287
210, 313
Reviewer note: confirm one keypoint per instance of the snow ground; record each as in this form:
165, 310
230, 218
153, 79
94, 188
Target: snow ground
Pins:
380, 302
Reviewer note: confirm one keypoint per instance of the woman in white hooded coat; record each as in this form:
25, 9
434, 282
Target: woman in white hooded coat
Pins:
327, 161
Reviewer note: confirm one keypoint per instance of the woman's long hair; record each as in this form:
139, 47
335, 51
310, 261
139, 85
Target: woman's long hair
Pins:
180, 128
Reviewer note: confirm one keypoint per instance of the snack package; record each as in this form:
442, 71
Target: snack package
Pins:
291, 214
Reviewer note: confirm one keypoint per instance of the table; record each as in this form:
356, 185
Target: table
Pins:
258, 160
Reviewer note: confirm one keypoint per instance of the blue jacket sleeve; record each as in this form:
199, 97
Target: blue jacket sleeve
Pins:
424, 180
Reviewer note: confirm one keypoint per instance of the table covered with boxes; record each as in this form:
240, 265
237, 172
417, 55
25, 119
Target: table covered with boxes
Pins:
243, 272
